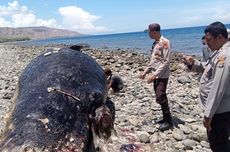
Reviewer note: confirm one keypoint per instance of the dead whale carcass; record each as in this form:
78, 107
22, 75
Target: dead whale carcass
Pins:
58, 100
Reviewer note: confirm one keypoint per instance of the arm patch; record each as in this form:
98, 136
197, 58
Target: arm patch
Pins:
221, 61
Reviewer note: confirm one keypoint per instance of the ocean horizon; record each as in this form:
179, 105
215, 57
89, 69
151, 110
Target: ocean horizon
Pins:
186, 40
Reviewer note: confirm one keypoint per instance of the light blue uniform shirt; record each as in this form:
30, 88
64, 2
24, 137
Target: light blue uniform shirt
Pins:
214, 91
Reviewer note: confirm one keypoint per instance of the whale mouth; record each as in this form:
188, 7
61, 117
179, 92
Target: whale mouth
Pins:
103, 122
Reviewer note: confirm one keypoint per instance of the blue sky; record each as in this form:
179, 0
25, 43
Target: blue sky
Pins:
112, 16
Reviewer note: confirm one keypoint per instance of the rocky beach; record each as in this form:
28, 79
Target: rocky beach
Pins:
135, 105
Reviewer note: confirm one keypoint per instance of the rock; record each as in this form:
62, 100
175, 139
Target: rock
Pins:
144, 138
185, 129
154, 138
184, 79
189, 120
179, 146
189, 144
204, 144
199, 136
178, 135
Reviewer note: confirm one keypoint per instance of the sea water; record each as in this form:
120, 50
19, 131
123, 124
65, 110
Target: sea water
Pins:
186, 40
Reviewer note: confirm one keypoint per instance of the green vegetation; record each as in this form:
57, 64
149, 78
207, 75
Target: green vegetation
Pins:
13, 39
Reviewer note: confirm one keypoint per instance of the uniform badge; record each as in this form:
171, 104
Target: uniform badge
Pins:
220, 61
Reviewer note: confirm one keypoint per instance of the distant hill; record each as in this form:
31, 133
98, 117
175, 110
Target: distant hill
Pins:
27, 33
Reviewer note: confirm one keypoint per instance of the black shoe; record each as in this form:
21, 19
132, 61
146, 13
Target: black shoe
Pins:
159, 121
165, 126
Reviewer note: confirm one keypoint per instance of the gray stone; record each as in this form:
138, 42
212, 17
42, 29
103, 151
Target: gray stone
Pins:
144, 138
189, 144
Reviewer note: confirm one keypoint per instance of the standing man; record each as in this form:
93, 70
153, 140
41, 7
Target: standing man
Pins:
214, 89
159, 71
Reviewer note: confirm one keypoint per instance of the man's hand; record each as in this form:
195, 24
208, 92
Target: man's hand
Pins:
142, 76
207, 123
188, 60
151, 78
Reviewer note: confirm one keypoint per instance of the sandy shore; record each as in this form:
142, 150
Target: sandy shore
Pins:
135, 105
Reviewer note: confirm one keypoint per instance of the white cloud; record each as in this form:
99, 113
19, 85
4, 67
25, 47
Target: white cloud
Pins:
73, 18
77, 19
222, 13
4, 23
15, 15
217, 12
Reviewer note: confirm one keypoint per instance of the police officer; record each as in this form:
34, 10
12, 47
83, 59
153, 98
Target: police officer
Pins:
159, 71
214, 89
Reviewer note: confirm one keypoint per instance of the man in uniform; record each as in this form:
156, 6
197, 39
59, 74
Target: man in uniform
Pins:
214, 89
159, 71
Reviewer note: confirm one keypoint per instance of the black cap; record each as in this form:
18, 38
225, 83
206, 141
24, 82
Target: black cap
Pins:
153, 27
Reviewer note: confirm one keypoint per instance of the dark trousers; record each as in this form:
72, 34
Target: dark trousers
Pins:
160, 86
219, 135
